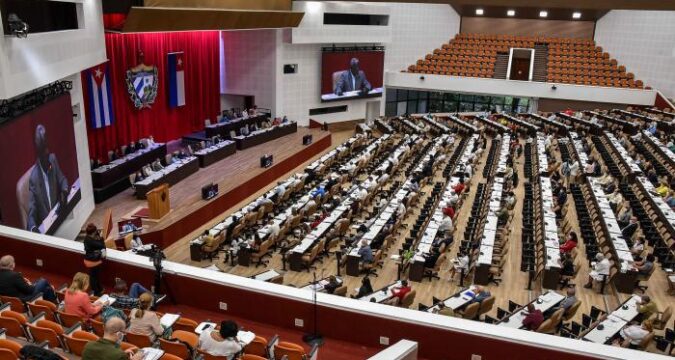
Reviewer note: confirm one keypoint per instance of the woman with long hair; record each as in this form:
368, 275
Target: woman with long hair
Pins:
77, 300
143, 320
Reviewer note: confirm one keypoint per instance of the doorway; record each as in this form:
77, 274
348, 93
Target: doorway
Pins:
520, 64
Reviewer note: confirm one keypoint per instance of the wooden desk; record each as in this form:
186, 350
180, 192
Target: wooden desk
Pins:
245, 142
223, 129
172, 177
215, 153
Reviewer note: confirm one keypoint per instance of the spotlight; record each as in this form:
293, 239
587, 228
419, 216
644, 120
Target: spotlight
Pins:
479, 11
511, 13
576, 15
543, 13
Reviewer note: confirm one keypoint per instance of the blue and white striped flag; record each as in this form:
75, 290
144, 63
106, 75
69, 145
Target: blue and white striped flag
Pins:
100, 96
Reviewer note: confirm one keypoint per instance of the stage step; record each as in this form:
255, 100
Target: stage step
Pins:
540, 70
501, 66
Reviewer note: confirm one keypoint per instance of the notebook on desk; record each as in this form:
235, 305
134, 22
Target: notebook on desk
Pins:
105, 298
152, 353
168, 320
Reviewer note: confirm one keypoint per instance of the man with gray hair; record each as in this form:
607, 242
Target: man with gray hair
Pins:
600, 270
13, 284
352, 79
107, 347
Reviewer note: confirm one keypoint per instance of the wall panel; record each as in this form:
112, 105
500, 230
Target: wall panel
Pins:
528, 27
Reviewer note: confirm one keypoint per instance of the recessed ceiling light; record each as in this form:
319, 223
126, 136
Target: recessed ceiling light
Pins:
576, 15
511, 13
479, 11
543, 13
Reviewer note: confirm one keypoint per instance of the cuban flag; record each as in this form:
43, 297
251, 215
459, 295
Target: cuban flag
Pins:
176, 79
100, 96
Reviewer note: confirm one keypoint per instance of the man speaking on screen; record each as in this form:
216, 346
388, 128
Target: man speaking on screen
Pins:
352, 79
47, 185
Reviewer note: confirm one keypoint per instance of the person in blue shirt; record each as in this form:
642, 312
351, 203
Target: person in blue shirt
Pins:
319, 192
365, 252
481, 294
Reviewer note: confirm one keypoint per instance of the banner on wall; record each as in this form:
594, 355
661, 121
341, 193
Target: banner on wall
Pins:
176, 79
142, 83
100, 106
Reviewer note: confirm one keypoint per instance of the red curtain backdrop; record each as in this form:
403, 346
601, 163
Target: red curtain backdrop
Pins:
202, 88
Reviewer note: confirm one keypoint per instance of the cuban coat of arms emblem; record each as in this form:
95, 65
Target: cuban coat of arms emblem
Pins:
142, 82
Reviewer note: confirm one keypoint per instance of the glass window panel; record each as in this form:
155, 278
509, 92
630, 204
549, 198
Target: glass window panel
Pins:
413, 95
508, 100
390, 109
400, 108
497, 100
422, 106
450, 106
465, 106
402, 95
390, 95
435, 106
466, 97
481, 107
451, 97
482, 99
412, 106
436, 95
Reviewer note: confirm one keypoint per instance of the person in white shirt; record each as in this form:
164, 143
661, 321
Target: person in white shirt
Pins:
600, 270
400, 210
362, 194
221, 342
136, 241
468, 171
459, 264
446, 225
273, 228
454, 198
635, 333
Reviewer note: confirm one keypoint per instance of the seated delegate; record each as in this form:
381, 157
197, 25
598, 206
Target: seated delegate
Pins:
13, 284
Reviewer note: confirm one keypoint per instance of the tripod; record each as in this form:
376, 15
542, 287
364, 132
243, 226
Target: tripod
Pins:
314, 338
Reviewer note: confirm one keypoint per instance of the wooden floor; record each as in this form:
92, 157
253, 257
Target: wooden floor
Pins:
228, 173
513, 287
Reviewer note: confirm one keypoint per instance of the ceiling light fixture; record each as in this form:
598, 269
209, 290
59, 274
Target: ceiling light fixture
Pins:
511, 13
576, 15
543, 13
479, 11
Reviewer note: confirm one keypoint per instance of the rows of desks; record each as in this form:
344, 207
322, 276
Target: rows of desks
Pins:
465, 125
223, 129
112, 178
423, 248
543, 302
215, 152
626, 160
264, 135
626, 277
663, 150
171, 174
614, 322
593, 128
546, 121
626, 126
439, 126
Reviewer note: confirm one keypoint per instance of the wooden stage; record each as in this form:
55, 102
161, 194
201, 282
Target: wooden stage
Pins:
238, 176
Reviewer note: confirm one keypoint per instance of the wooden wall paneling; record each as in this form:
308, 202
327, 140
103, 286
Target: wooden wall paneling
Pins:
528, 27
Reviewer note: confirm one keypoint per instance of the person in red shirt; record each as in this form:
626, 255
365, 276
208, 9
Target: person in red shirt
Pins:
449, 210
459, 187
533, 319
570, 243
398, 293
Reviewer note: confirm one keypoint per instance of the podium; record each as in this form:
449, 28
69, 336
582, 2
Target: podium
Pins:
158, 201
